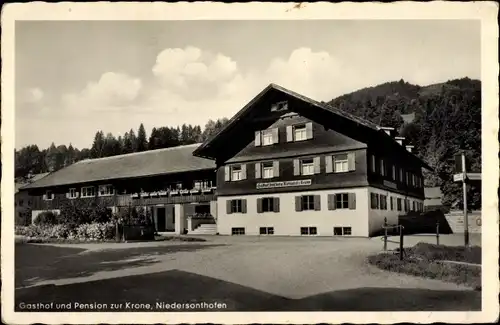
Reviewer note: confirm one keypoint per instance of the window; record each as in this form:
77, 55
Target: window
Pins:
382, 167
399, 204
374, 200
392, 203
88, 191
413, 206
280, 106
106, 190
267, 170
307, 202
342, 231
236, 206
205, 184
49, 195
307, 167
236, 173
383, 202
21, 202
393, 172
401, 175
373, 164
342, 201
72, 193
406, 205
308, 231
237, 231
341, 163
299, 132
266, 230
267, 137
268, 204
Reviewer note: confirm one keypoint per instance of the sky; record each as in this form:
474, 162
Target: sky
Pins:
74, 78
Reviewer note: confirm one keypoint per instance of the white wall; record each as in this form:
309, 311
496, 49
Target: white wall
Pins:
376, 219
287, 222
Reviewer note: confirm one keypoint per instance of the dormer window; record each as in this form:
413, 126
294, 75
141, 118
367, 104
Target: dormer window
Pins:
280, 106
299, 133
266, 137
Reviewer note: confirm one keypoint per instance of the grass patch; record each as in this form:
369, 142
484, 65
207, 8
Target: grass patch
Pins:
424, 260
179, 238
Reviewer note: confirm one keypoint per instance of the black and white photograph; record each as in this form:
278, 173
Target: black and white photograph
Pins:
176, 163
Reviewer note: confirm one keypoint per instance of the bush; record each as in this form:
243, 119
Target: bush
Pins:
447, 253
23, 218
134, 216
93, 231
46, 218
78, 212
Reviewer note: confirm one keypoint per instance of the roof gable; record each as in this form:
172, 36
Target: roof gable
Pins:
140, 164
256, 115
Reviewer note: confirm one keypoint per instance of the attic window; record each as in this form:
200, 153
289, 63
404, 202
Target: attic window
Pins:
280, 106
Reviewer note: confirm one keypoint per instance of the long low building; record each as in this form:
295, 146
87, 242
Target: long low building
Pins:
283, 165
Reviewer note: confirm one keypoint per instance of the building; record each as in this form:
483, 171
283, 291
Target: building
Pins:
283, 165
22, 201
171, 182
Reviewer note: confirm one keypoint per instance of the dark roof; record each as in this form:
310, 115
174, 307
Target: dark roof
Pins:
204, 149
140, 164
34, 178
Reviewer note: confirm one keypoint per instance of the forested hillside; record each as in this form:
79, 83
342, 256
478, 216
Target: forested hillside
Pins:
32, 160
447, 119
442, 119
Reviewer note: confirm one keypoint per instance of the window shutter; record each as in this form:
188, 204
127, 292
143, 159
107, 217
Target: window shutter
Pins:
289, 133
276, 168
317, 203
44, 197
331, 202
352, 201
257, 138
227, 173
329, 164
298, 203
257, 170
309, 130
228, 207
276, 138
276, 204
67, 195
243, 171
77, 194
296, 167
243, 206
351, 161
259, 205
317, 165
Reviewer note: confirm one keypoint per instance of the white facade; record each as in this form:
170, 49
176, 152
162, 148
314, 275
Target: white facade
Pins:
362, 221
287, 222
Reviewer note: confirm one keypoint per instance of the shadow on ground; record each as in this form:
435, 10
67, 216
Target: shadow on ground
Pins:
184, 287
36, 263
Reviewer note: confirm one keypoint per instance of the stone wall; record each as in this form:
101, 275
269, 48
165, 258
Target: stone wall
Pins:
456, 221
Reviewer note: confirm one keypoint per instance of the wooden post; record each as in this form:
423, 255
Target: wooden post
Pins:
437, 233
400, 243
385, 233
464, 185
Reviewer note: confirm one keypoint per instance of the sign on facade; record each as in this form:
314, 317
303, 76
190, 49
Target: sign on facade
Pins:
303, 182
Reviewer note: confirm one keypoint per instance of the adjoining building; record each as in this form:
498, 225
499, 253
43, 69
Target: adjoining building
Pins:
284, 165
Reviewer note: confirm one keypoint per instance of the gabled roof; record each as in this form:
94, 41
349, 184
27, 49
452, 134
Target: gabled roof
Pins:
318, 111
34, 178
140, 164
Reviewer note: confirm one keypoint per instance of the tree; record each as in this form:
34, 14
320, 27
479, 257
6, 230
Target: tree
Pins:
98, 145
142, 142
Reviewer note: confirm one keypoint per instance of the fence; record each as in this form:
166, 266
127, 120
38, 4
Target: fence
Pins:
400, 230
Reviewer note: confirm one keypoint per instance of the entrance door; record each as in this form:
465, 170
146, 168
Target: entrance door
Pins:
171, 220
160, 219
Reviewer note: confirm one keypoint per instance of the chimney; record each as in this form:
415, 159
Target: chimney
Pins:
399, 140
409, 148
386, 129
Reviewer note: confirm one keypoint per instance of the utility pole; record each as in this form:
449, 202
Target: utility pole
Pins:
464, 186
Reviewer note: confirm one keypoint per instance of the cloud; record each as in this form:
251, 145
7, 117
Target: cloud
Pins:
33, 95
113, 91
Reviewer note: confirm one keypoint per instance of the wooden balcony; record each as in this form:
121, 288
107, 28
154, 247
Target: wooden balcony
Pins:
127, 199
